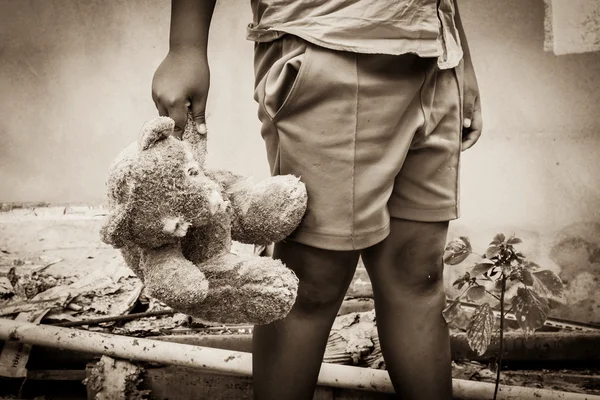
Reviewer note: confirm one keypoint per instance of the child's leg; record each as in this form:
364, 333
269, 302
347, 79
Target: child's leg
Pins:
287, 354
362, 133
406, 268
406, 274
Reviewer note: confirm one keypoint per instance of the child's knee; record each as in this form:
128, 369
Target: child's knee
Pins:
322, 297
424, 276
413, 265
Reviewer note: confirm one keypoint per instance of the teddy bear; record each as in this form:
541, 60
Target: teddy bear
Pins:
174, 220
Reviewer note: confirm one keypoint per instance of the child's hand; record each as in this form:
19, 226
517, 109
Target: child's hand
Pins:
180, 84
472, 121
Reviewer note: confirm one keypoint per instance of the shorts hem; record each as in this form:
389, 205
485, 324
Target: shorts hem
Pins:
425, 214
340, 243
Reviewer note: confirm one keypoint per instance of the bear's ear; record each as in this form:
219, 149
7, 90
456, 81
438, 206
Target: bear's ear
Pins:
155, 130
114, 228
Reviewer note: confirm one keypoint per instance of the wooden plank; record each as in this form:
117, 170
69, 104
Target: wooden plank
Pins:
356, 305
541, 347
56, 375
189, 383
177, 383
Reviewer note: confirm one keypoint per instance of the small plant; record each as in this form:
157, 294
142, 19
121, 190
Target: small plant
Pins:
502, 267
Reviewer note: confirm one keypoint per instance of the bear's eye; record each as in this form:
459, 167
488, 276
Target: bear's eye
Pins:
193, 171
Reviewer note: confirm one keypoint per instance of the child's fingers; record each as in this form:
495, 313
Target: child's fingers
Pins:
162, 111
179, 115
471, 137
467, 143
199, 115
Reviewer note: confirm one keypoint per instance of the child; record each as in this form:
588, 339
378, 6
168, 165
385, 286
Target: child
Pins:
364, 100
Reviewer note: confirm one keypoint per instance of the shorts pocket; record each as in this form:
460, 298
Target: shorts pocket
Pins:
284, 79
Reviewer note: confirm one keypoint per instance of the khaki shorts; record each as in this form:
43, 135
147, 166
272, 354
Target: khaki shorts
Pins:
373, 137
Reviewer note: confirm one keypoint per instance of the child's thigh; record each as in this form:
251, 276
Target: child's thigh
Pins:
344, 123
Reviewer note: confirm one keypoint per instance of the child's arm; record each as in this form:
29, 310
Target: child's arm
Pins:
182, 79
472, 122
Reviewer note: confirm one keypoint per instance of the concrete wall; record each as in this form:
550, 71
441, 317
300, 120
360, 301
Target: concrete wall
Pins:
75, 88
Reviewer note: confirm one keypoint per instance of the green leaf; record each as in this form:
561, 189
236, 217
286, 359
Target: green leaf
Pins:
481, 268
457, 251
493, 251
550, 282
480, 328
451, 311
460, 282
476, 293
496, 246
514, 240
495, 272
498, 239
527, 277
530, 309
531, 265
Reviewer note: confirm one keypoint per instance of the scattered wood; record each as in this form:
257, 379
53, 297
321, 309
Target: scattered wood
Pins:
585, 381
14, 355
540, 347
56, 375
353, 340
360, 304
176, 383
6, 288
237, 363
238, 342
152, 326
34, 305
115, 318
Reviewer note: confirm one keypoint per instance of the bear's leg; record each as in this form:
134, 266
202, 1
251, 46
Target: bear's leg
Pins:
246, 289
269, 211
172, 279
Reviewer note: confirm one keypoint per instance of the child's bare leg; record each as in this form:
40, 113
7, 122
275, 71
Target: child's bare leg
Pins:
287, 354
406, 273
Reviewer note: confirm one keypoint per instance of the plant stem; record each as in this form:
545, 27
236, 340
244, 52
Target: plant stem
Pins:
501, 350
507, 312
493, 295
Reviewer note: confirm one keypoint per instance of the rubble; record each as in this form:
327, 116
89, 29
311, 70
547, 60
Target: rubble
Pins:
114, 379
353, 340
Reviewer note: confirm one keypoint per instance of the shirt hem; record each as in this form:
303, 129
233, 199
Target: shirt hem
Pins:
416, 47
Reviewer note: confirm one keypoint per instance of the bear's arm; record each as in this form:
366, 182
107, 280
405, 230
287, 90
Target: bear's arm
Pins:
263, 212
226, 178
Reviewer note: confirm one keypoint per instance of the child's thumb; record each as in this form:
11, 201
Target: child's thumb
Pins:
199, 116
468, 108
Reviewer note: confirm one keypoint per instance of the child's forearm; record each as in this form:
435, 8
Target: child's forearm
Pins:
190, 23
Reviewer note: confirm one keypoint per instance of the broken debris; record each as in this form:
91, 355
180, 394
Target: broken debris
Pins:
353, 340
114, 379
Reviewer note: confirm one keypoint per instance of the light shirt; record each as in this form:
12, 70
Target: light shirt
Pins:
422, 27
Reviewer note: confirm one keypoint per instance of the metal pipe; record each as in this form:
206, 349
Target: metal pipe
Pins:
239, 363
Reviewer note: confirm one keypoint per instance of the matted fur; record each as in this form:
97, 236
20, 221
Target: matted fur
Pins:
174, 222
